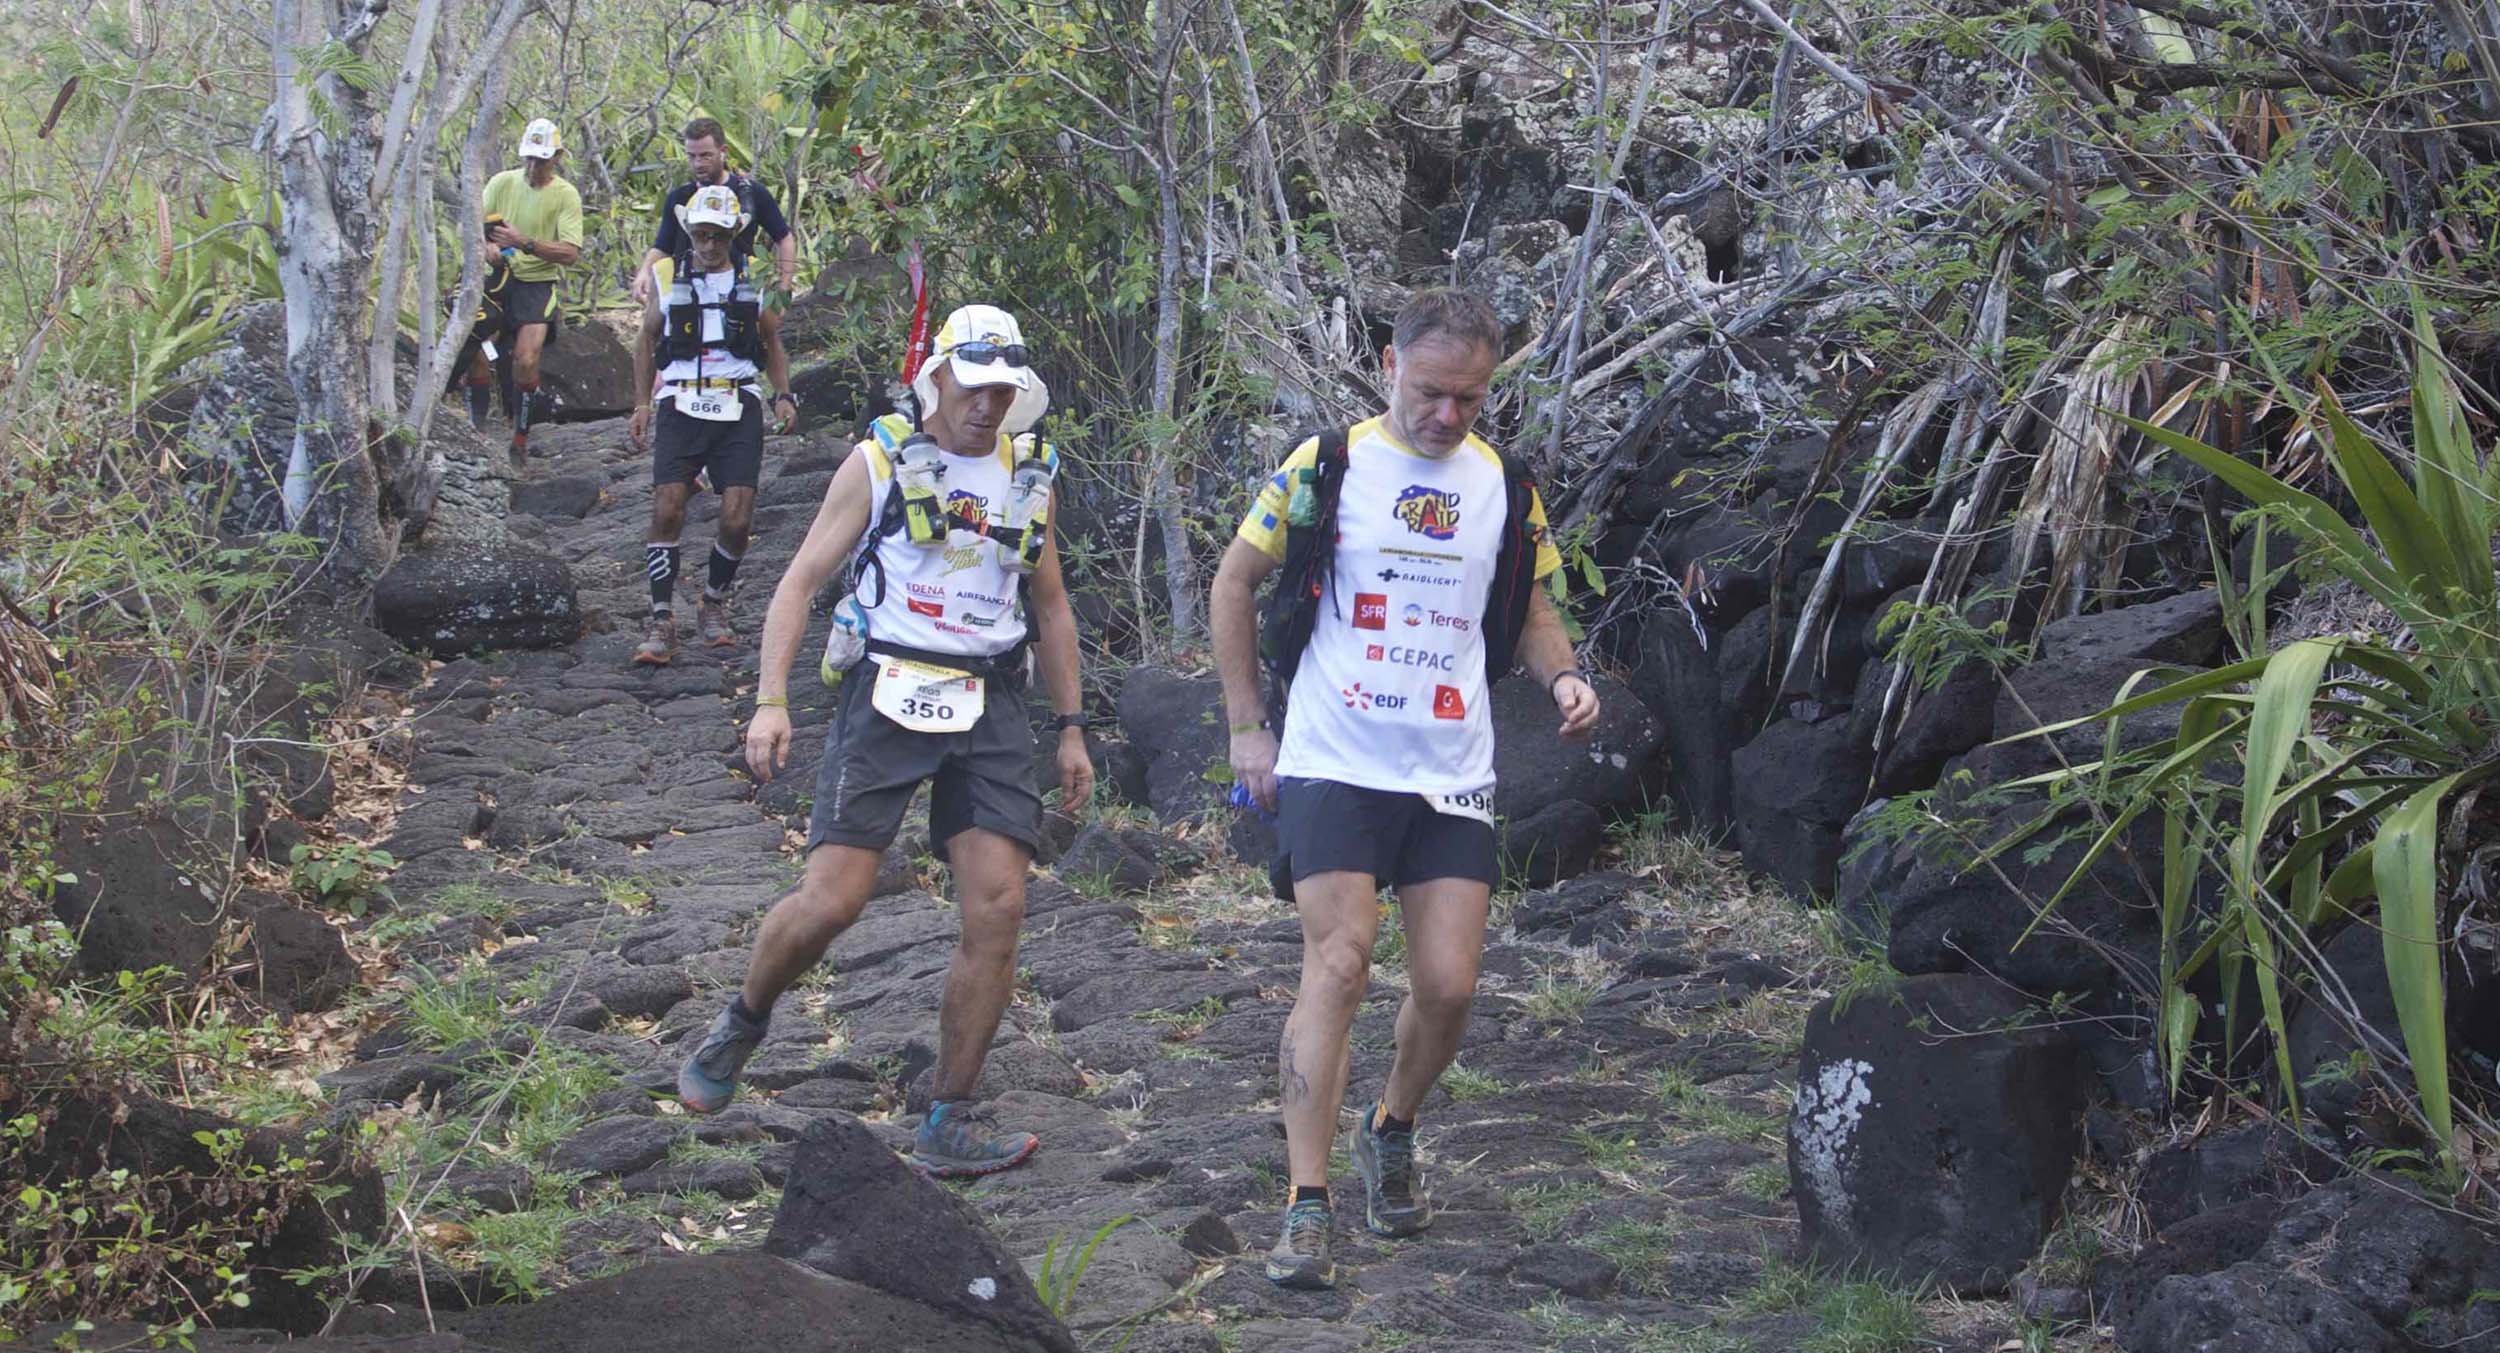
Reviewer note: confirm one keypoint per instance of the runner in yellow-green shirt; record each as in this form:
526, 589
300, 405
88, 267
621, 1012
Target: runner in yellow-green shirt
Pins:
534, 221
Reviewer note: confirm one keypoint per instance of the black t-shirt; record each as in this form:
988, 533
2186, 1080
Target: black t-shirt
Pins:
762, 212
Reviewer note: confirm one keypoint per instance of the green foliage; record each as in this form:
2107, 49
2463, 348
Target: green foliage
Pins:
2332, 745
1060, 1273
344, 875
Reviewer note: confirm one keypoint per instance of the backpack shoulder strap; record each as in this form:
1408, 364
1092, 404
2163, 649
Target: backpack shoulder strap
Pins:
1514, 571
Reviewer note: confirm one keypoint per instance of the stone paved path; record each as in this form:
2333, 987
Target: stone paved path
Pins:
583, 873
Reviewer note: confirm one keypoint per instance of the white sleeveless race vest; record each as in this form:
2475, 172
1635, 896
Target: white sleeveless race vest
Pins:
711, 288
1391, 693
952, 598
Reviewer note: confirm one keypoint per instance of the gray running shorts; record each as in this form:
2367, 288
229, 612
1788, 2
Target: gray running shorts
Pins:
983, 776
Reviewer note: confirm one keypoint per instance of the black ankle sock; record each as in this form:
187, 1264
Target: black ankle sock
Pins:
1384, 1123
738, 1007
1310, 1193
722, 571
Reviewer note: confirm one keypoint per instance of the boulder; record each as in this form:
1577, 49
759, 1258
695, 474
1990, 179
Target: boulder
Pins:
1176, 732
1797, 785
1099, 854
2084, 662
623, 1145
2420, 1268
1943, 723
241, 427
1556, 842
2250, 1308
852, 1209
731, 1301
141, 892
449, 604
1933, 1134
589, 371
2262, 1160
335, 1196
1576, 910
295, 960
2324, 1040
1611, 769
564, 496
1679, 679
1951, 915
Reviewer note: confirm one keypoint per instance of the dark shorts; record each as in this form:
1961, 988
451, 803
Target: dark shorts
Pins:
1323, 826
873, 765
508, 303
733, 452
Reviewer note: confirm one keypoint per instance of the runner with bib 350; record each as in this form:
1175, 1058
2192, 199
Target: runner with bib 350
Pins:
1407, 555
954, 575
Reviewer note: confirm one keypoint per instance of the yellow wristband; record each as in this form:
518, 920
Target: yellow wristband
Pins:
772, 702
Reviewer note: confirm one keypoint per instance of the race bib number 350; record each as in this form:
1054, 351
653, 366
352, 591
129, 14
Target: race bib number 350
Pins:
926, 699
1475, 803
714, 406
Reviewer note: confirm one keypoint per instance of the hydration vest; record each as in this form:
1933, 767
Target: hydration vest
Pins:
890, 430
741, 330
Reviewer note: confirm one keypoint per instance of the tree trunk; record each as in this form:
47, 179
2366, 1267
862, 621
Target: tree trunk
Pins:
325, 251
1164, 487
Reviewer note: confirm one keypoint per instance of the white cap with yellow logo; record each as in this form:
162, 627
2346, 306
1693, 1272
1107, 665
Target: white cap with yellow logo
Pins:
713, 204
541, 141
983, 345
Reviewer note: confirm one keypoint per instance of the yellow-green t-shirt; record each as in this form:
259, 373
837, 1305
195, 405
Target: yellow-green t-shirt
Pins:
550, 213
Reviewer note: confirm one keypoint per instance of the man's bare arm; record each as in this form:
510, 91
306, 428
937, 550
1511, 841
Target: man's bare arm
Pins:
830, 539
1232, 610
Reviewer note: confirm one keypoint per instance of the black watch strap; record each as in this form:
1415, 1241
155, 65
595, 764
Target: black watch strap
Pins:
1063, 722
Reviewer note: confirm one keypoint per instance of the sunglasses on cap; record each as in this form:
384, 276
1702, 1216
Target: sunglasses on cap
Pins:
986, 354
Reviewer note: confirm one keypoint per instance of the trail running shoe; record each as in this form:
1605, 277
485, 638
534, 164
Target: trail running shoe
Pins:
709, 1077
711, 621
659, 645
1300, 1258
960, 1139
481, 405
1386, 1161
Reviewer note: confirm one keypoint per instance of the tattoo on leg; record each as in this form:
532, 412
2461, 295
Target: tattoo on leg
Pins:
1297, 1087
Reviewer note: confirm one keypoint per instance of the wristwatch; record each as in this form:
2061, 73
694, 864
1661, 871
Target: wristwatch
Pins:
1063, 722
1567, 672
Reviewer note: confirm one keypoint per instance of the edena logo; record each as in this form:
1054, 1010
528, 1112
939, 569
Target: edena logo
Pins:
1447, 703
1358, 698
1428, 512
1371, 610
929, 608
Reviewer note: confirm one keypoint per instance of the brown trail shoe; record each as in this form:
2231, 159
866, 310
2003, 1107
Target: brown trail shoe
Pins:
659, 646
711, 621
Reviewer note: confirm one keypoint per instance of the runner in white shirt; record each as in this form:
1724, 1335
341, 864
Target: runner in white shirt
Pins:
1385, 773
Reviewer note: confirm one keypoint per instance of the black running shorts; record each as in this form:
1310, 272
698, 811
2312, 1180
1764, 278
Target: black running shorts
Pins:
1323, 826
983, 776
733, 452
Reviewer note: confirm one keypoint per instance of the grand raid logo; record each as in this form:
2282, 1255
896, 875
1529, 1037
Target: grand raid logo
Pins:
1428, 512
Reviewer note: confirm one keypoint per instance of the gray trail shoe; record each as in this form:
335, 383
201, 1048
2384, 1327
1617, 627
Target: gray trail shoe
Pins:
960, 1139
1392, 1206
709, 1078
1300, 1258
711, 622
659, 644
